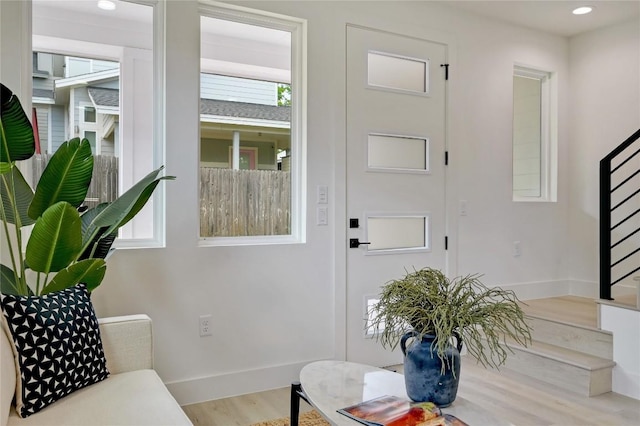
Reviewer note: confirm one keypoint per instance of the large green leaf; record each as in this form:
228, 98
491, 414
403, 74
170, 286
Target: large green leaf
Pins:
88, 227
15, 189
126, 206
56, 239
16, 134
66, 177
100, 247
95, 244
8, 284
89, 271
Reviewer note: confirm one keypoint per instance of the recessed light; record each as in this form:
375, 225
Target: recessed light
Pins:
582, 10
106, 5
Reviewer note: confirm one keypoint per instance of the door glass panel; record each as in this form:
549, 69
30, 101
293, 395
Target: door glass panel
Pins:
397, 232
397, 72
397, 152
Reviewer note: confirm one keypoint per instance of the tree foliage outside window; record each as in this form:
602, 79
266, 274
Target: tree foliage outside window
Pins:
284, 95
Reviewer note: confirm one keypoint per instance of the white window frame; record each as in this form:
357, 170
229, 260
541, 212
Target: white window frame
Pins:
298, 29
548, 133
51, 44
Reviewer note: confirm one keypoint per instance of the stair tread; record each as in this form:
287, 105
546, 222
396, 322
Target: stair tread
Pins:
574, 310
568, 323
576, 358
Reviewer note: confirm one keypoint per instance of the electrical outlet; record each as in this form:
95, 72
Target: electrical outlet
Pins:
517, 249
322, 216
463, 207
205, 325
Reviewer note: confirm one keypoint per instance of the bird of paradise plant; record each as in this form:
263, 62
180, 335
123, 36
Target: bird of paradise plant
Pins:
65, 247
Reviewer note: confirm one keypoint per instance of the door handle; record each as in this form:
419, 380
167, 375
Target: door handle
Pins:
355, 243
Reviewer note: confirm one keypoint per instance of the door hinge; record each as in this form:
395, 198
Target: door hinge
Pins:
446, 71
446, 158
446, 243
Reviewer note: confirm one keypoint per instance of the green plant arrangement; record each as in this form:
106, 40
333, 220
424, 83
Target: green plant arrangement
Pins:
426, 302
65, 247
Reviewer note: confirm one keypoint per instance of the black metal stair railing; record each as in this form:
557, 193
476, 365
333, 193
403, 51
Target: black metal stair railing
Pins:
624, 153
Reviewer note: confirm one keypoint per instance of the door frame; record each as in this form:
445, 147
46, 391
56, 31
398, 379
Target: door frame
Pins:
340, 161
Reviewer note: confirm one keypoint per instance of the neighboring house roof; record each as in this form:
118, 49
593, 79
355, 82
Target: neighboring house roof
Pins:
105, 97
245, 110
110, 98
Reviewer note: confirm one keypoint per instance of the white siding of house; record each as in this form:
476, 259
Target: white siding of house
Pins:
81, 95
98, 65
50, 127
106, 147
77, 66
44, 62
80, 66
43, 83
113, 84
42, 112
57, 127
238, 89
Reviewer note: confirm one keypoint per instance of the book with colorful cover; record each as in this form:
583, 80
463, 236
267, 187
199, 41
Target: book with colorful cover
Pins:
394, 411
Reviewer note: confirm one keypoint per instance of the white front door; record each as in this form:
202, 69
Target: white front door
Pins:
395, 171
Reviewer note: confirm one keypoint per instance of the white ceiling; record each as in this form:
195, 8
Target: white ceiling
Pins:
552, 16
555, 16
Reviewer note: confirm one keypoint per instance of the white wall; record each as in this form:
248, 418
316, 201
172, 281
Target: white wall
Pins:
625, 325
276, 308
605, 92
605, 110
481, 146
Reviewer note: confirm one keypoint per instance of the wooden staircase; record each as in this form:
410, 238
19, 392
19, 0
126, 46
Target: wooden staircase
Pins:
568, 350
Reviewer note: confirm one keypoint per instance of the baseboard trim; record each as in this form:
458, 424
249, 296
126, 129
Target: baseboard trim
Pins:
592, 289
584, 288
626, 383
542, 289
226, 385
539, 289
626, 348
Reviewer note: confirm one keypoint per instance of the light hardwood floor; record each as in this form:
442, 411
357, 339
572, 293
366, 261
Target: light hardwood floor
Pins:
512, 396
515, 397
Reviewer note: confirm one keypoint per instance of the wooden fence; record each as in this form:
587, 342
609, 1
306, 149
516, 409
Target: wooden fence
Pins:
232, 202
104, 181
244, 202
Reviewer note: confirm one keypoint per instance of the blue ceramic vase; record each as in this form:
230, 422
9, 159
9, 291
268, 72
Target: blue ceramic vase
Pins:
422, 370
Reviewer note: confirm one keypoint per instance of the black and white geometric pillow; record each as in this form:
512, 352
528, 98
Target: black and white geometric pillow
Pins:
56, 343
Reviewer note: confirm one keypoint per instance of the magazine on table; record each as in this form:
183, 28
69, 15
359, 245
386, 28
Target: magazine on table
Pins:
395, 411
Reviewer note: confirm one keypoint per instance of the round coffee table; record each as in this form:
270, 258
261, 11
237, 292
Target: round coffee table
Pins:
331, 385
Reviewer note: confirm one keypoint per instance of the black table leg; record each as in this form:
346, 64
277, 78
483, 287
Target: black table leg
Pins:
296, 393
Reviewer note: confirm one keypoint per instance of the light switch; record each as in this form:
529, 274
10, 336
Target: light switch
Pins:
323, 194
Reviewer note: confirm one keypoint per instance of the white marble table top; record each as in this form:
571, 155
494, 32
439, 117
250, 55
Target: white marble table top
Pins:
331, 385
